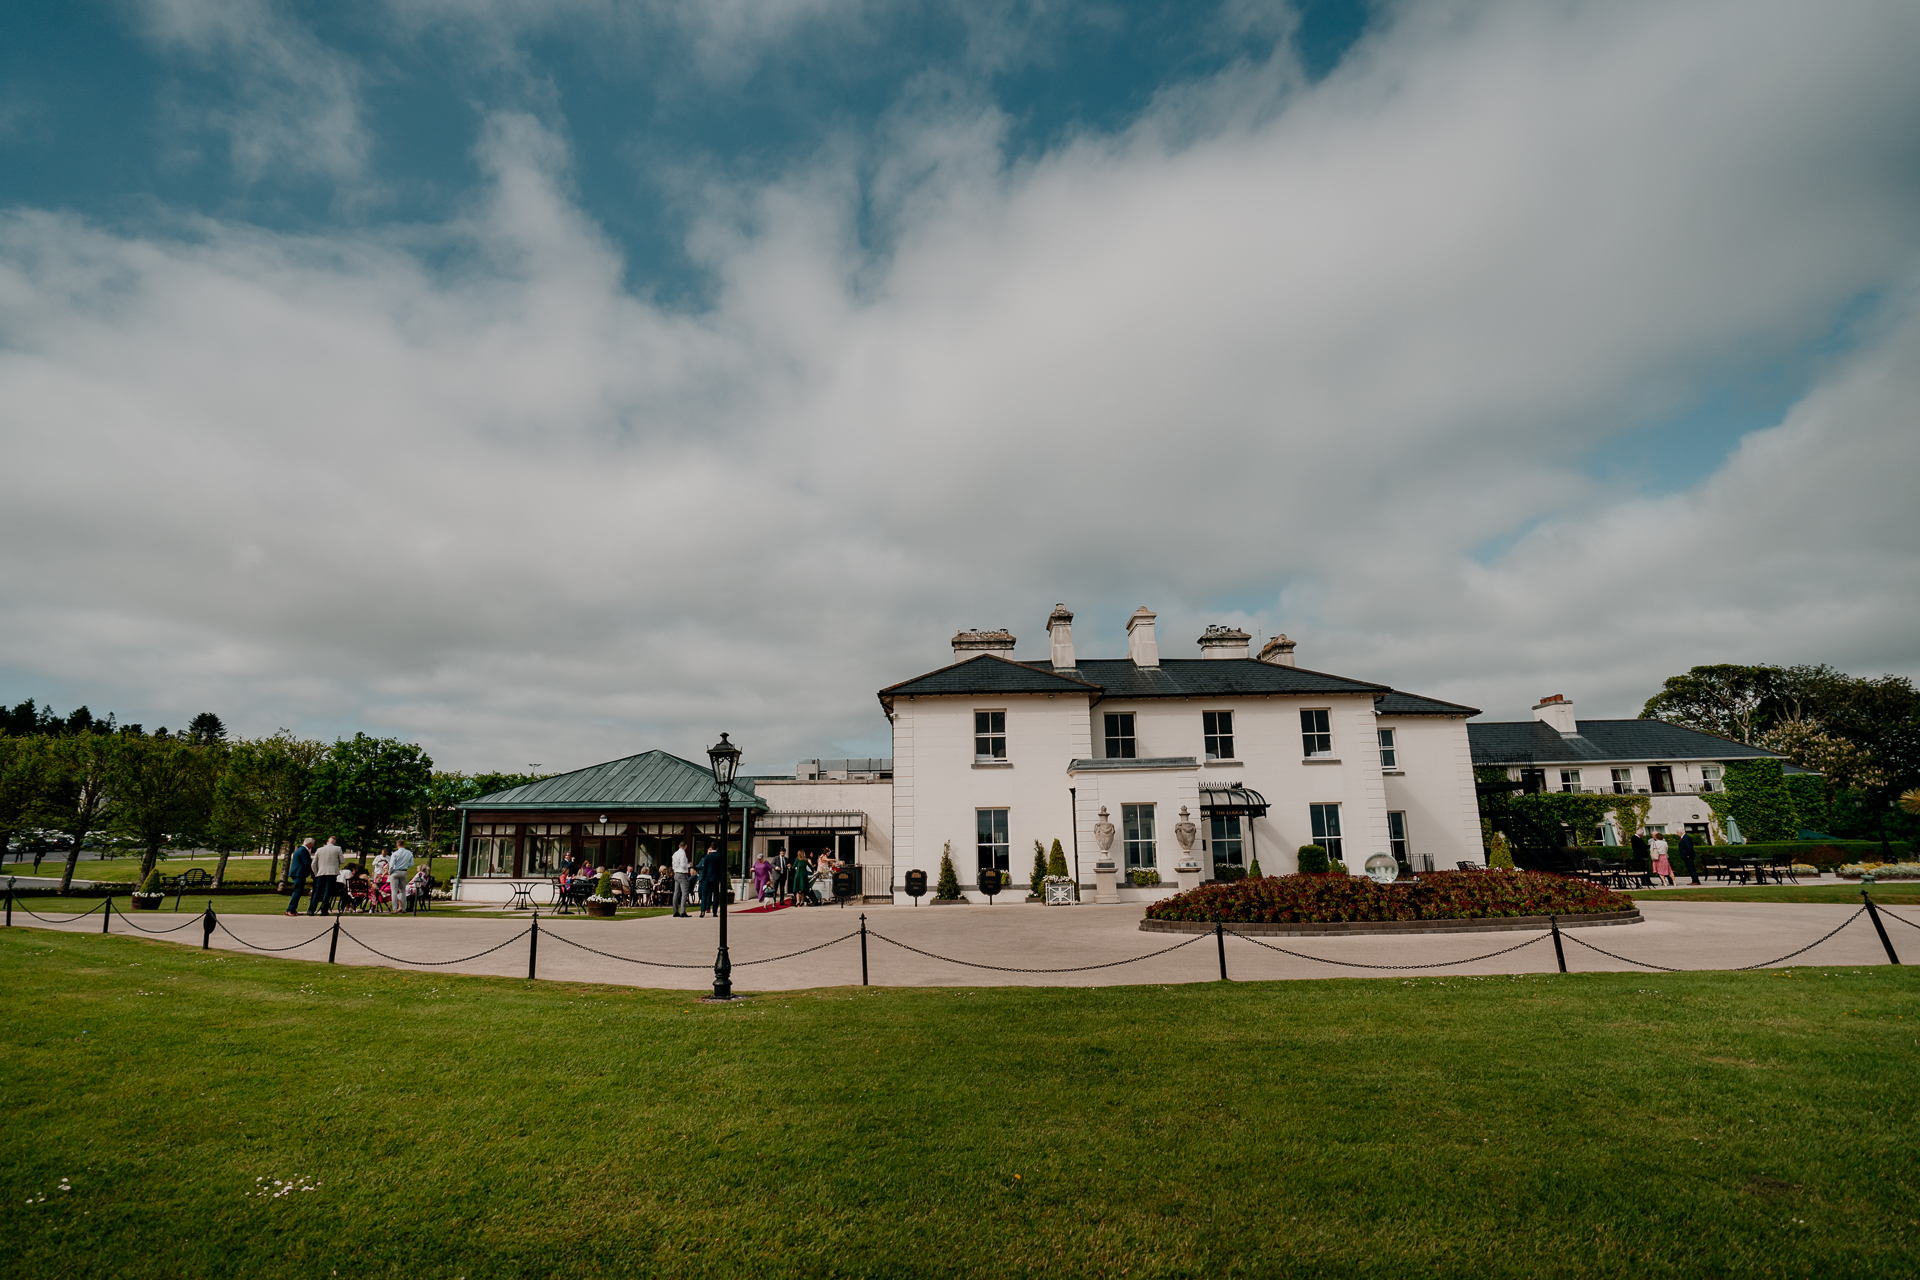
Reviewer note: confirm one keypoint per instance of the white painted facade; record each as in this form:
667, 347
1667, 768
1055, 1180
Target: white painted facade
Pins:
1056, 773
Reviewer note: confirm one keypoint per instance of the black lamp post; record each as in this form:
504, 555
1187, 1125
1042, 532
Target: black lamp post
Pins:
726, 762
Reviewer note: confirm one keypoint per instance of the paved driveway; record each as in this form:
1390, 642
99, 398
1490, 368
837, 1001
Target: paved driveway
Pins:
1684, 935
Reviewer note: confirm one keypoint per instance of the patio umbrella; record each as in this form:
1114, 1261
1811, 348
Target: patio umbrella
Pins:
1608, 836
1733, 832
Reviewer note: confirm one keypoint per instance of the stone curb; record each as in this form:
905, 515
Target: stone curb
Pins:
1366, 928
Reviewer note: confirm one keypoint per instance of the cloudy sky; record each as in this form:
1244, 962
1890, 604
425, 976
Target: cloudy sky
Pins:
546, 380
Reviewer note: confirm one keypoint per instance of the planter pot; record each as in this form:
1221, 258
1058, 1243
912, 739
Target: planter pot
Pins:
148, 904
949, 902
602, 909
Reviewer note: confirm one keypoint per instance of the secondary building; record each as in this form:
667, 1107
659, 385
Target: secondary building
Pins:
1250, 757
1669, 763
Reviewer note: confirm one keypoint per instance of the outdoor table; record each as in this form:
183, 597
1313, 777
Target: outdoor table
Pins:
522, 899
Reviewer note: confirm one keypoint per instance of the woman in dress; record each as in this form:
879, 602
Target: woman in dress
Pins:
798, 885
1662, 865
762, 871
823, 879
379, 893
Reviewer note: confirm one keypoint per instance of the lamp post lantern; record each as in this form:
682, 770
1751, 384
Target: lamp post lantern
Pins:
726, 762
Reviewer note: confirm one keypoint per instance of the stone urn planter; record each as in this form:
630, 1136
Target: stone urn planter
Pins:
148, 904
604, 910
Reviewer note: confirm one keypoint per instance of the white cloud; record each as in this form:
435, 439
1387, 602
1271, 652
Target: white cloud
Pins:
294, 104
1283, 355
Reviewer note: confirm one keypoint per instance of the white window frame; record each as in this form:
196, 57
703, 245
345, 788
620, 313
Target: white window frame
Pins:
1623, 781
1397, 842
990, 742
992, 847
1316, 732
1331, 840
1389, 749
1130, 740
1570, 781
1139, 850
1216, 727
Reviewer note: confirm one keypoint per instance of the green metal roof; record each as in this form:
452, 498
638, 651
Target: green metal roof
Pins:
650, 780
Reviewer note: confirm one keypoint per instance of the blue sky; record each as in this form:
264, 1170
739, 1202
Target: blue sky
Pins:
387, 364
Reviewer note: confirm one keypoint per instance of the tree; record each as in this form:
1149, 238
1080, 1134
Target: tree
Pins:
79, 773
271, 782
367, 785
1057, 860
1723, 698
1038, 879
948, 890
207, 728
162, 787
23, 777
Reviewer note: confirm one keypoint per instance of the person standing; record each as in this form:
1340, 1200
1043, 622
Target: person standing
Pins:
682, 880
399, 871
1686, 857
299, 867
326, 870
382, 891
713, 876
762, 869
1661, 865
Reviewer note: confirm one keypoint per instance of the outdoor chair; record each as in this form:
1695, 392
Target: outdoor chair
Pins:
1783, 866
188, 881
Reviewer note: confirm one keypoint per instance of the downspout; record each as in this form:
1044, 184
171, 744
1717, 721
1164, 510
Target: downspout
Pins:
1073, 798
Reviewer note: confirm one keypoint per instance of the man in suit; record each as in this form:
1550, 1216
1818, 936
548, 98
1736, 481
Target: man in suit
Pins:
713, 875
299, 867
1686, 856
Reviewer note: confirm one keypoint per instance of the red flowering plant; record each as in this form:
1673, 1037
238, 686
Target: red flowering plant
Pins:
1442, 895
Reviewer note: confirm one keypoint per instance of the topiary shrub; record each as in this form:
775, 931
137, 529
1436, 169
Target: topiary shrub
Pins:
1038, 879
1499, 852
948, 890
151, 886
1254, 870
1057, 861
1313, 860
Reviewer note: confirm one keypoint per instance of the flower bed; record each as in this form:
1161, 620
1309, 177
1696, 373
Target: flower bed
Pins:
1881, 870
1442, 895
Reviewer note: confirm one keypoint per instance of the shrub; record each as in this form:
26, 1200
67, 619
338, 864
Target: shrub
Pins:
603, 889
1313, 859
1499, 852
1442, 895
948, 890
1039, 876
1254, 870
1144, 877
1057, 861
150, 887
1824, 854
1227, 871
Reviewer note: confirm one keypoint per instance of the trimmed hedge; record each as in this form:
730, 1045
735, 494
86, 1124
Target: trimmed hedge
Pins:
1824, 854
1440, 895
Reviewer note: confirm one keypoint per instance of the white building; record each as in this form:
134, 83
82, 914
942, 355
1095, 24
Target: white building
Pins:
991, 754
842, 807
1672, 765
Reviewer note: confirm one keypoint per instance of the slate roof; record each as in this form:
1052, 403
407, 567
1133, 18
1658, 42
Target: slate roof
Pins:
1120, 678
650, 780
1398, 703
1534, 742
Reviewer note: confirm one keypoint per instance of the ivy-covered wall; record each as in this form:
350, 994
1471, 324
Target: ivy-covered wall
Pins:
1758, 799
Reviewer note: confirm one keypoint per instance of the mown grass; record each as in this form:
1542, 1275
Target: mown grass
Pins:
273, 904
1577, 1125
1895, 893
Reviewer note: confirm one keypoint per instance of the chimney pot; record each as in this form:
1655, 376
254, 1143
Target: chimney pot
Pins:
1224, 642
1278, 651
1557, 713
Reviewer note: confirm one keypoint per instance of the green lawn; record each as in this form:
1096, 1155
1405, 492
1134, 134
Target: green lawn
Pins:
272, 904
1893, 894
1589, 1124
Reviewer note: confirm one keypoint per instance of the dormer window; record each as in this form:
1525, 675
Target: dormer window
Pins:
989, 735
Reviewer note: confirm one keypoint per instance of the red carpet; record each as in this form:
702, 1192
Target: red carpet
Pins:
747, 911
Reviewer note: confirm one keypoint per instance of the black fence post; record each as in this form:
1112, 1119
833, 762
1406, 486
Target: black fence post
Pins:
107, 914
334, 946
1873, 913
9, 904
206, 928
863, 948
1559, 952
533, 945
1220, 941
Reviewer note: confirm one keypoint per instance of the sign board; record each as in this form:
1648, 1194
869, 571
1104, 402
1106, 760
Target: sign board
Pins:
990, 883
916, 884
843, 884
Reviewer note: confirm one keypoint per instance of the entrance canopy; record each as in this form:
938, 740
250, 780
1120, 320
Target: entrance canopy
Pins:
807, 822
1224, 801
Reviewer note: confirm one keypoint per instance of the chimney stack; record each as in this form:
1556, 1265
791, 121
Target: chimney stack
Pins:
1060, 637
1557, 712
1142, 648
968, 643
1224, 642
1278, 651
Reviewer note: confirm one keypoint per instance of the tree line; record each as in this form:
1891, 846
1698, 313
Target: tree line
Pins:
93, 779
1861, 735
